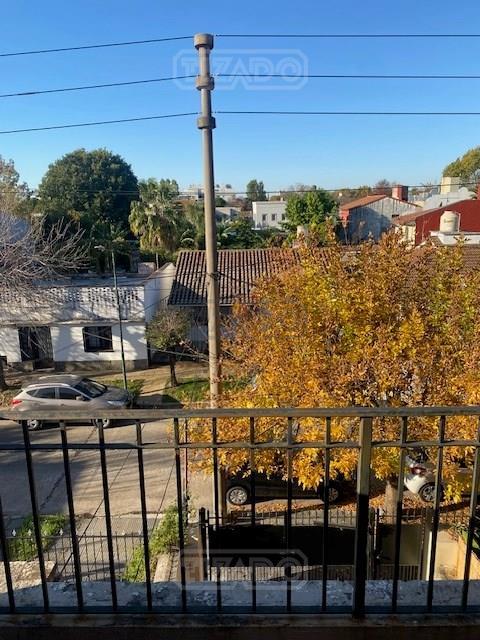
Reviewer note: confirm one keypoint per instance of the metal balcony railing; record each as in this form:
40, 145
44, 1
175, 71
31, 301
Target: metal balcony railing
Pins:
364, 438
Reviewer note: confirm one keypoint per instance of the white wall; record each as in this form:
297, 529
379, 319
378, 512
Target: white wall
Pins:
67, 344
10, 344
157, 290
269, 214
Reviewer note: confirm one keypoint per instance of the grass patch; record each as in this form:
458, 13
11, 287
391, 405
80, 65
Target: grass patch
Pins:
163, 539
198, 389
23, 547
134, 386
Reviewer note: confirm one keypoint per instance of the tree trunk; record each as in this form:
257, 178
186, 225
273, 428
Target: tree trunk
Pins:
390, 501
3, 383
173, 376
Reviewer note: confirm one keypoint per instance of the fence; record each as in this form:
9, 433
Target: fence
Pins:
210, 443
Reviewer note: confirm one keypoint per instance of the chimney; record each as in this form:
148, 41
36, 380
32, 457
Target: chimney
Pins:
450, 184
400, 192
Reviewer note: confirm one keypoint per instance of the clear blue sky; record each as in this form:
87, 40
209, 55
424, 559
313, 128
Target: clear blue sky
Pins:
327, 151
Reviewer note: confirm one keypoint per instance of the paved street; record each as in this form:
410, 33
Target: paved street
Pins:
86, 475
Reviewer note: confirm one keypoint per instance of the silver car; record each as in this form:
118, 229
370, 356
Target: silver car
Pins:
69, 392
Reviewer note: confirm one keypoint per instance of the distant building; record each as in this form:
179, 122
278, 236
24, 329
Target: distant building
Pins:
454, 220
269, 214
450, 191
227, 214
371, 216
73, 323
196, 192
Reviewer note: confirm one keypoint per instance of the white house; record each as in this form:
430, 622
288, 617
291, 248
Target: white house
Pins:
73, 323
269, 214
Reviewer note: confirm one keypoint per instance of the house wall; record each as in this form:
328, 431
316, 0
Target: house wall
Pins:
267, 210
372, 220
469, 219
10, 344
69, 350
157, 289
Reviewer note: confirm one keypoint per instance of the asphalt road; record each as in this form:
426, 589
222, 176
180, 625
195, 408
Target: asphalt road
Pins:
85, 469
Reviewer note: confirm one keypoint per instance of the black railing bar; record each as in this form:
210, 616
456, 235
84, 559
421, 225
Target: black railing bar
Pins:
35, 515
399, 510
252, 471
361, 533
326, 501
108, 521
71, 515
242, 412
143, 506
473, 523
436, 513
288, 522
181, 533
411, 444
6, 561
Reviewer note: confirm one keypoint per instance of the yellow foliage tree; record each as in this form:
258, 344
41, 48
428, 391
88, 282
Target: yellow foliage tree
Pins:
386, 325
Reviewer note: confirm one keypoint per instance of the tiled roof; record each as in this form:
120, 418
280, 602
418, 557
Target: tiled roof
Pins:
361, 202
238, 268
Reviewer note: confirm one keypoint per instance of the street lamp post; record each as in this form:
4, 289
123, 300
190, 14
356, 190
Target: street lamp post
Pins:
119, 313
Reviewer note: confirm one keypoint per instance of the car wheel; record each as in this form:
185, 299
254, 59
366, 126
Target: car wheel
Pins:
103, 422
237, 496
333, 493
34, 425
427, 492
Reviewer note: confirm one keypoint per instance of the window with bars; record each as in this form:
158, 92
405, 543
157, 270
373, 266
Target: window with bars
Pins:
97, 339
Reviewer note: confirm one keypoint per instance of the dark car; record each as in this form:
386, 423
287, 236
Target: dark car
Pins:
238, 489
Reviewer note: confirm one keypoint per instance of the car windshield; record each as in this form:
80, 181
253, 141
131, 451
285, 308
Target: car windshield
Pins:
90, 388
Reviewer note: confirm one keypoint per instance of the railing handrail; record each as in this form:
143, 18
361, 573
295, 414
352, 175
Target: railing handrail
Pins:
230, 412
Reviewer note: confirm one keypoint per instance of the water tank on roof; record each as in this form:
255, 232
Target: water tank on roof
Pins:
449, 222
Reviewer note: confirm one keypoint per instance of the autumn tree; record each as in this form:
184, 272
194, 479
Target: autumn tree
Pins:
386, 326
168, 330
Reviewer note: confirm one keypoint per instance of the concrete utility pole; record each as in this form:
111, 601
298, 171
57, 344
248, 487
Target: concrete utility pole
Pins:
206, 123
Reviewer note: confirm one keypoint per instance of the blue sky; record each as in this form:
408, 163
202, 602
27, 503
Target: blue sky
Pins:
329, 151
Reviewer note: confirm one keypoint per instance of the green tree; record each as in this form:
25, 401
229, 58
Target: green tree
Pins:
167, 331
467, 167
256, 191
315, 210
87, 186
194, 235
238, 234
15, 196
158, 219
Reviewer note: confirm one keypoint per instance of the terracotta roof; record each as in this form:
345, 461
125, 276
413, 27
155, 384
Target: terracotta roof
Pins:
239, 269
361, 202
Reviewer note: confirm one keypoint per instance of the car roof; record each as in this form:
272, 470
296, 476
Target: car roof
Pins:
67, 379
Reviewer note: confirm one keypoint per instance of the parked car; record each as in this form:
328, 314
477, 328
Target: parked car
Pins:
238, 489
420, 477
69, 392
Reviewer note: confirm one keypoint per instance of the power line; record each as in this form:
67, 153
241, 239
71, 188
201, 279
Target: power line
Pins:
325, 76
347, 35
103, 45
285, 191
93, 86
366, 76
347, 113
100, 122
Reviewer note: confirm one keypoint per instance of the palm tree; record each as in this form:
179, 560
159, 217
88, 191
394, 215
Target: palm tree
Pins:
157, 218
